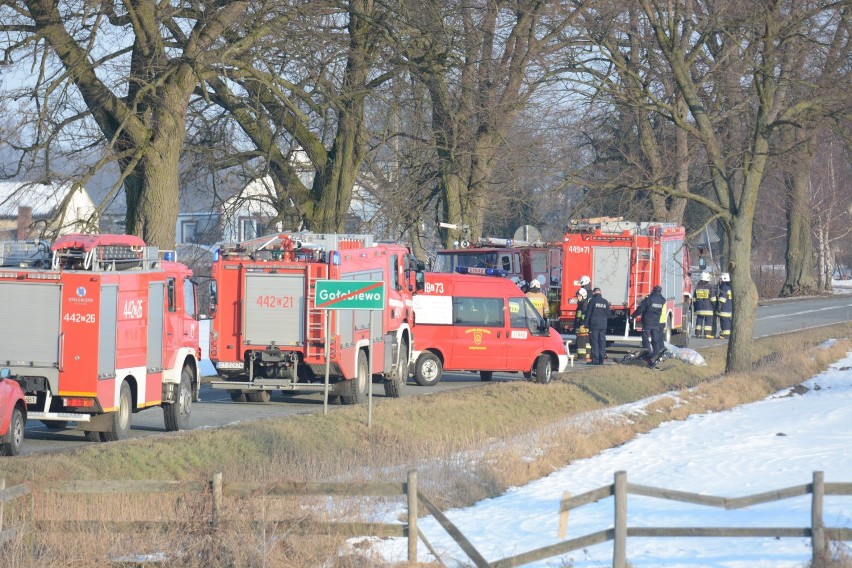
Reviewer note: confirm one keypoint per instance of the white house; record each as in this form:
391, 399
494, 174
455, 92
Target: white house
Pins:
240, 217
38, 210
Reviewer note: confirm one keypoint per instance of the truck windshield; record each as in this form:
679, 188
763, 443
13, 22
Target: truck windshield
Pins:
448, 261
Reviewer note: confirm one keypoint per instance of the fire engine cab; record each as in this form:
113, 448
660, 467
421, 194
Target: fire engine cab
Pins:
268, 335
99, 327
474, 321
519, 258
626, 260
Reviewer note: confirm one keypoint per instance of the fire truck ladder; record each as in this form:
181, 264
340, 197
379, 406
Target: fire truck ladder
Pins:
642, 270
315, 340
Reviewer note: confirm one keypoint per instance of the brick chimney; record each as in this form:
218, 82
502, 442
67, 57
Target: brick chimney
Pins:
25, 222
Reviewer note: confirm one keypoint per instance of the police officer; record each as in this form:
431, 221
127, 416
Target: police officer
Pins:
651, 311
581, 330
724, 305
597, 318
702, 303
538, 299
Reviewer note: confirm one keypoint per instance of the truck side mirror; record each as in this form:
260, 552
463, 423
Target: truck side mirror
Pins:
214, 298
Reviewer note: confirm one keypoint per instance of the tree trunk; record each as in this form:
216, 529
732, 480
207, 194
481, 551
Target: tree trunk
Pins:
744, 292
799, 256
152, 190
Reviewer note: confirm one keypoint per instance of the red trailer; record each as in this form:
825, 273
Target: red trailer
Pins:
626, 260
267, 334
100, 329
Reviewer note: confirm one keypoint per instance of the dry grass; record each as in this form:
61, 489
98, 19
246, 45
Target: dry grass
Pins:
466, 445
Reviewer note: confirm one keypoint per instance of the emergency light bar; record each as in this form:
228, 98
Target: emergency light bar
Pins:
481, 271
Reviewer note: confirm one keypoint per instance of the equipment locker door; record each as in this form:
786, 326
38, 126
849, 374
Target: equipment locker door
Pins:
611, 273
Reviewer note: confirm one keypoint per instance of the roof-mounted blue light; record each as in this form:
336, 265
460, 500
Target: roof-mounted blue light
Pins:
169, 255
216, 254
481, 271
335, 258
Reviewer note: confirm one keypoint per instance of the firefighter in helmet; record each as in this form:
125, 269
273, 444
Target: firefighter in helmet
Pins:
586, 283
581, 330
538, 299
724, 305
702, 303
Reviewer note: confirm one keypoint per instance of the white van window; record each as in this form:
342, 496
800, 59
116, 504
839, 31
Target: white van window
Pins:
523, 314
483, 312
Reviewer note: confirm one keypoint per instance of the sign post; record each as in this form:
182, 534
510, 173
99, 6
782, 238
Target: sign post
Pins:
350, 295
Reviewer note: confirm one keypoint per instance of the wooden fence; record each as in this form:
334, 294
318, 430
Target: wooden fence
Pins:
819, 534
219, 490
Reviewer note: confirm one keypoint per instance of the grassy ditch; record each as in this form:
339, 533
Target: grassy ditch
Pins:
466, 445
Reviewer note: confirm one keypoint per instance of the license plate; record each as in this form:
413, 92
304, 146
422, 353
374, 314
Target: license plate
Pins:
31, 399
230, 365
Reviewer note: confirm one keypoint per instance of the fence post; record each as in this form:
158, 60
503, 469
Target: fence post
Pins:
217, 498
563, 518
411, 492
818, 546
619, 547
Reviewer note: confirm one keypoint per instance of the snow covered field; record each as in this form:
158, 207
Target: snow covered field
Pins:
772, 444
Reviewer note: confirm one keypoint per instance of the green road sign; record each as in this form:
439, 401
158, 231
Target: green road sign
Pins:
349, 295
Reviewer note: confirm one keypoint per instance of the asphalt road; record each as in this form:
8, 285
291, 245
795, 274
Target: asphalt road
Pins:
216, 408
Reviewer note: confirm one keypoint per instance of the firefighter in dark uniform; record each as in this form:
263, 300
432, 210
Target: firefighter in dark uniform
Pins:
597, 319
703, 300
724, 305
581, 330
651, 310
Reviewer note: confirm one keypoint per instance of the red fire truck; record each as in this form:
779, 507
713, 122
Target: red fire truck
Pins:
522, 259
267, 334
98, 328
485, 324
626, 260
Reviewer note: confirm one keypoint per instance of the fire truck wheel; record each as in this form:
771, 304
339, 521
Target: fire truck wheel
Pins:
394, 386
237, 396
120, 423
176, 414
14, 438
486, 375
260, 396
94, 436
428, 370
355, 390
543, 369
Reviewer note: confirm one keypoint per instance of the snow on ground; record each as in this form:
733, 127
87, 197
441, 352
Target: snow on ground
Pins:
841, 286
772, 444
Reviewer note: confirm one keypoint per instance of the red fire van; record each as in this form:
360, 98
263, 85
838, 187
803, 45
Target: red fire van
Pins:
484, 324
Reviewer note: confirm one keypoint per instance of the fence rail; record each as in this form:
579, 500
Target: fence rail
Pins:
219, 491
819, 534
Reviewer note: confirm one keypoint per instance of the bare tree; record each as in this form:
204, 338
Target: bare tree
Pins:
733, 65
480, 63
118, 76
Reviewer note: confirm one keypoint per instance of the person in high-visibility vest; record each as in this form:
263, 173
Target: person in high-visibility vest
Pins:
702, 303
538, 299
724, 305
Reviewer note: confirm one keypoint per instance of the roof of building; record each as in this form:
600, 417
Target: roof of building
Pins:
43, 198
